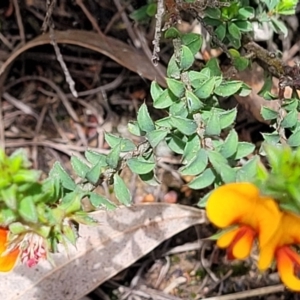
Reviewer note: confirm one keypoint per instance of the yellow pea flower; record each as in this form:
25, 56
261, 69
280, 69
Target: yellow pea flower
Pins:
279, 246
242, 205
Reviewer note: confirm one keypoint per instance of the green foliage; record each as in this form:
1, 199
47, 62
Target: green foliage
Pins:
282, 182
195, 127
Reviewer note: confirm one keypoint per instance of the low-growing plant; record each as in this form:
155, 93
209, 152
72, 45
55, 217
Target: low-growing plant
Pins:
195, 128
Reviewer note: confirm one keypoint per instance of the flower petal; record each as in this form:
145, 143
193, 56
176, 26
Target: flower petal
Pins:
269, 218
7, 261
3, 239
286, 261
228, 204
226, 239
287, 233
243, 242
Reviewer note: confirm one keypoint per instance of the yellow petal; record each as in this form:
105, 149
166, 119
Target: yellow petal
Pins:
230, 203
266, 254
268, 218
290, 227
7, 261
241, 203
286, 261
243, 242
287, 233
226, 239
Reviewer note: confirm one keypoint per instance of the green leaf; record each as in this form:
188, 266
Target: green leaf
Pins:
144, 120
71, 202
121, 191
211, 22
79, 166
244, 26
186, 59
142, 14
98, 201
93, 175
140, 165
198, 78
206, 89
113, 157
213, 127
241, 63
234, 53
186, 126
213, 66
7, 216
217, 160
268, 113
290, 104
294, 139
221, 32
173, 69
230, 144
27, 210
156, 136
192, 147
134, 128
175, 142
244, 149
246, 12
197, 165
228, 88
279, 26
234, 31
164, 122
248, 171
151, 9
286, 7
228, 174
227, 118
179, 109
17, 228
193, 41
203, 180
176, 87
193, 102
172, 33
290, 120
155, 90
9, 196
94, 157
70, 233
236, 43
214, 13
58, 171
165, 100
113, 141
245, 90
271, 138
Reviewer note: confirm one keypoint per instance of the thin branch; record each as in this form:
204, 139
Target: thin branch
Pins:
63, 65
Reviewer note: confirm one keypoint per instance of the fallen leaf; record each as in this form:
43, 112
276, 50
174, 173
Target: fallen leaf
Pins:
118, 51
123, 236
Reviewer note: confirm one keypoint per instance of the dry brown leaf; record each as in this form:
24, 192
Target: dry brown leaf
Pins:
124, 236
118, 51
